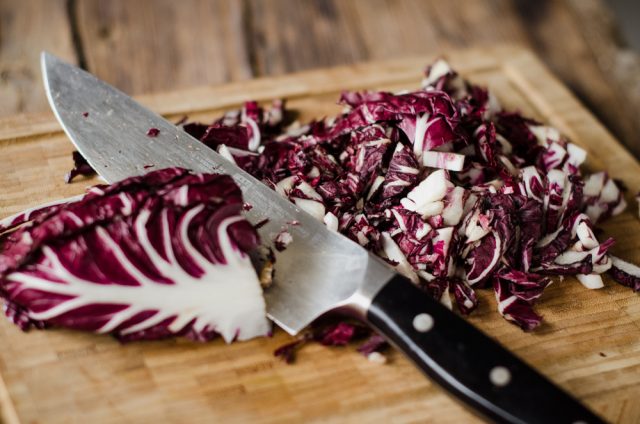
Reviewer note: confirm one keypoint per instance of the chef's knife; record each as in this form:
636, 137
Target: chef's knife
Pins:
321, 270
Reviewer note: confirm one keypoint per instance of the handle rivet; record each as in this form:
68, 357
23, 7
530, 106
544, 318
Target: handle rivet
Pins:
500, 376
423, 323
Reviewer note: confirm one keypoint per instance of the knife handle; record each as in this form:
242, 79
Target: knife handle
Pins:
467, 363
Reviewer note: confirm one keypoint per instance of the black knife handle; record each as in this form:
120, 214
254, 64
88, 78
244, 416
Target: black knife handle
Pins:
467, 363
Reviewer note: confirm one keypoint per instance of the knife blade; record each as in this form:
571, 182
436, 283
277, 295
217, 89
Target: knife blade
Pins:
321, 270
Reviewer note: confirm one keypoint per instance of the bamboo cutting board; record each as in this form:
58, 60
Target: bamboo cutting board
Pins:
589, 344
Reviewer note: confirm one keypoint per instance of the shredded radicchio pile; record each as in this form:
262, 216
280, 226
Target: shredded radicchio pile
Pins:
453, 191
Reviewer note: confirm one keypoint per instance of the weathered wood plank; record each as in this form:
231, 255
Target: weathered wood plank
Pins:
619, 66
291, 36
146, 46
26, 28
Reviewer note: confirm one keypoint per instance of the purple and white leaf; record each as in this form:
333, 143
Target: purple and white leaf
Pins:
161, 255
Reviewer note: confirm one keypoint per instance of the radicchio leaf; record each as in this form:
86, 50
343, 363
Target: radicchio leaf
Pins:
161, 255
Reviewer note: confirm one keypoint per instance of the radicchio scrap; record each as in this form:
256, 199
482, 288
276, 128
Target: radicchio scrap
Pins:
80, 167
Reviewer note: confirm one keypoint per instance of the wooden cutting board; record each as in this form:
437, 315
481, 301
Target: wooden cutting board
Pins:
589, 343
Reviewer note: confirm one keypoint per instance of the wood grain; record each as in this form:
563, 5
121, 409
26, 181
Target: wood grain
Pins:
155, 45
291, 36
620, 68
588, 344
26, 28
591, 59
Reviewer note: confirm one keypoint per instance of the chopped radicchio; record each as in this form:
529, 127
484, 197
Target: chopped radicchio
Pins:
165, 254
450, 189
329, 332
625, 273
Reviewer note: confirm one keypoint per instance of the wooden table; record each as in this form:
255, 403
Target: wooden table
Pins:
158, 45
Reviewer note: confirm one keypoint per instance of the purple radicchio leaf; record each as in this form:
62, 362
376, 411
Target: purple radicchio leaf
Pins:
164, 254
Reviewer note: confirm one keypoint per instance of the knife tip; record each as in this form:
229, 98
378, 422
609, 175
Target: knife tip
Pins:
47, 59
45, 56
